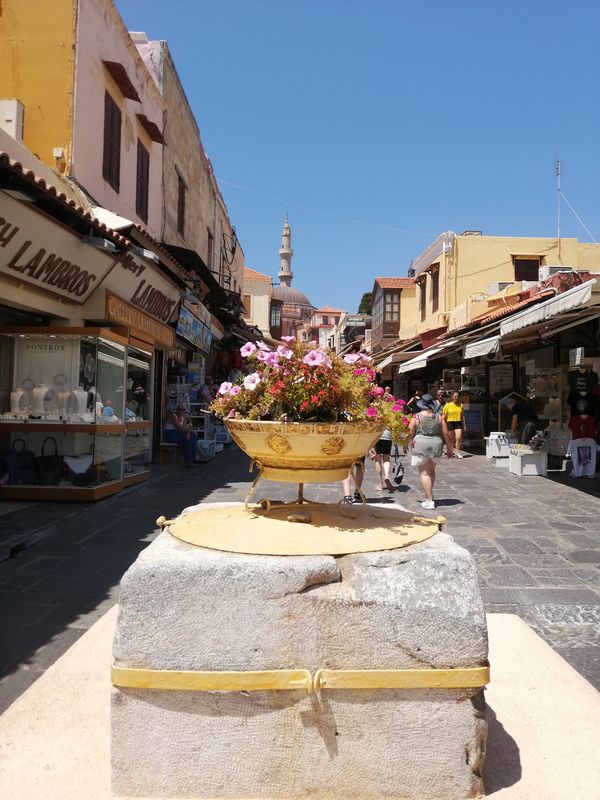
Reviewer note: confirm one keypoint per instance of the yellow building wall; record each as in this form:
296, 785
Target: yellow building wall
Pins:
36, 67
478, 261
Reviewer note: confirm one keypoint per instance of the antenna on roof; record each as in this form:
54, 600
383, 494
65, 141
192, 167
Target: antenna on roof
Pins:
558, 206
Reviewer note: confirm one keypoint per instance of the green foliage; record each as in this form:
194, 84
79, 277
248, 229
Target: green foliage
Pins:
366, 304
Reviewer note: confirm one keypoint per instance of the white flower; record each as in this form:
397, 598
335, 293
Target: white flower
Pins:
351, 358
251, 381
263, 346
225, 388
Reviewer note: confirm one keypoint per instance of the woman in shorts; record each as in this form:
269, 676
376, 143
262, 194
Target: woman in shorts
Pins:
455, 420
428, 431
383, 449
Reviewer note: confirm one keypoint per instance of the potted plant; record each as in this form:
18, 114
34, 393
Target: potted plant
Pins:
306, 414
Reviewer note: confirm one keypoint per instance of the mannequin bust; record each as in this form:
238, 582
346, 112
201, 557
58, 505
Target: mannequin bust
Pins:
16, 399
63, 401
40, 393
79, 398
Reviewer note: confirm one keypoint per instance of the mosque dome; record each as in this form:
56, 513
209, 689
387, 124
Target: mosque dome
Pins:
288, 295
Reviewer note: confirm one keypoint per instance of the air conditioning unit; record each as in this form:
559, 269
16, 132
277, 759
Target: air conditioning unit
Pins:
494, 288
551, 269
12, 116
528, 285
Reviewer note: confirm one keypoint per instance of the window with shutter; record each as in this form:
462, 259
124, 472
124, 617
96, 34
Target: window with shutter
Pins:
435, 288
142, 182
111, 158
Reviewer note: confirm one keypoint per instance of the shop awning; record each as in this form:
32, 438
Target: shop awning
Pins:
422, 359
483, 347
560, 304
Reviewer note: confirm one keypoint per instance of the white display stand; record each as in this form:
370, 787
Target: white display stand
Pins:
532, 462
498, 444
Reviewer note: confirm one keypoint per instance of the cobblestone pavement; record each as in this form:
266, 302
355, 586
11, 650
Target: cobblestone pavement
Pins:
536, 542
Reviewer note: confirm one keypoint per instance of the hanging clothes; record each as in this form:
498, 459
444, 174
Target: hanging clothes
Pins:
583, 458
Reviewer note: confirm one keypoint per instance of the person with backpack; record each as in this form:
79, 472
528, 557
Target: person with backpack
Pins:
428, 431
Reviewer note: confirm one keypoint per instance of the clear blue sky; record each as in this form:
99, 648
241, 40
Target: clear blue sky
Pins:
415, 116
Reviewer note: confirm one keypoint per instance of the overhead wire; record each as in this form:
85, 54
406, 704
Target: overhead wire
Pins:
288, 203
582, 223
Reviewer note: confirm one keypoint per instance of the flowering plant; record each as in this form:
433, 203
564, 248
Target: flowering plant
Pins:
298, 381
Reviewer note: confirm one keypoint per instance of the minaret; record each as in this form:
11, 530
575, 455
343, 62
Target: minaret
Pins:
286, 253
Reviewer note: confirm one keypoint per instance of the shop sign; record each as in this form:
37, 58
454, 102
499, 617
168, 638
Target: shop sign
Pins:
199, 311
45, 254
190, 328
354, 322
117, 310
143, 286
177, 354
576, 356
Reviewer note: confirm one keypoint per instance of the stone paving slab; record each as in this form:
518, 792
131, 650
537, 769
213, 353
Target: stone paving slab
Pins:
536, 542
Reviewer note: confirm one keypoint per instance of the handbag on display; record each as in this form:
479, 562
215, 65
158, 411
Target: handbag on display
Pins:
49, 467
80, 469
398, 469
20, 464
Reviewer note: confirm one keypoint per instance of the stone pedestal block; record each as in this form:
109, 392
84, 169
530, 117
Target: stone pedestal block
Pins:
188, 608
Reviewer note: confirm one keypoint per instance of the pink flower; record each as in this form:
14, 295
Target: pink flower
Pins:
235, 390
284, 351
263, 355
314, 358
231, 414
351, 358
367, 359
263, 346
247, 349
371, 375
378, 391
225, 388
360, 371
397, 407
288, 338
251, 381
371, 412
272, 359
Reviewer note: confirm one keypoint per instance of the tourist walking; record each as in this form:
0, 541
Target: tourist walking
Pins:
428, 431
454, 416
383, 449
440, 401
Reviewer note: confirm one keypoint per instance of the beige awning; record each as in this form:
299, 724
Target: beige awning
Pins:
561, 303
483, 347
422, 359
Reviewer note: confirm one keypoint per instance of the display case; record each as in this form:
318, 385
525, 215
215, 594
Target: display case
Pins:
547, 389
62, 426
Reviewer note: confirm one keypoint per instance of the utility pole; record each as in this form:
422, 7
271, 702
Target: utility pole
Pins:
558, 207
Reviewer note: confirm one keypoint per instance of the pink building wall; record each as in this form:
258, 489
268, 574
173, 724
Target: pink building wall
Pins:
101, 35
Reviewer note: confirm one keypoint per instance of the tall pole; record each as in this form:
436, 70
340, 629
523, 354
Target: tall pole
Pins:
558, 206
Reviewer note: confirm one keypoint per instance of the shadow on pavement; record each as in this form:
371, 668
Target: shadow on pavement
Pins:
53, 591
502, 766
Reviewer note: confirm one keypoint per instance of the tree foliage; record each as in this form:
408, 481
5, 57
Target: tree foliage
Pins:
366, 304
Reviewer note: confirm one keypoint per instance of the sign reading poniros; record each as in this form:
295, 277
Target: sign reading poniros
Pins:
44, 254
117, 310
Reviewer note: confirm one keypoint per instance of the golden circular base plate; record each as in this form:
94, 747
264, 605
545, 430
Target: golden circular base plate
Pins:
258, 532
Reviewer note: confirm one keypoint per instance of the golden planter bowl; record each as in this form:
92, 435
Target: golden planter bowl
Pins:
304, 452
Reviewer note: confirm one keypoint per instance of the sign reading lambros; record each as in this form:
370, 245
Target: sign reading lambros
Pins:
44, 254
117, 310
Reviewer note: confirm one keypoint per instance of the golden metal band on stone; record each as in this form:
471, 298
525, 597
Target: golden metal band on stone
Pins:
462, 678
287, 680
195, 681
